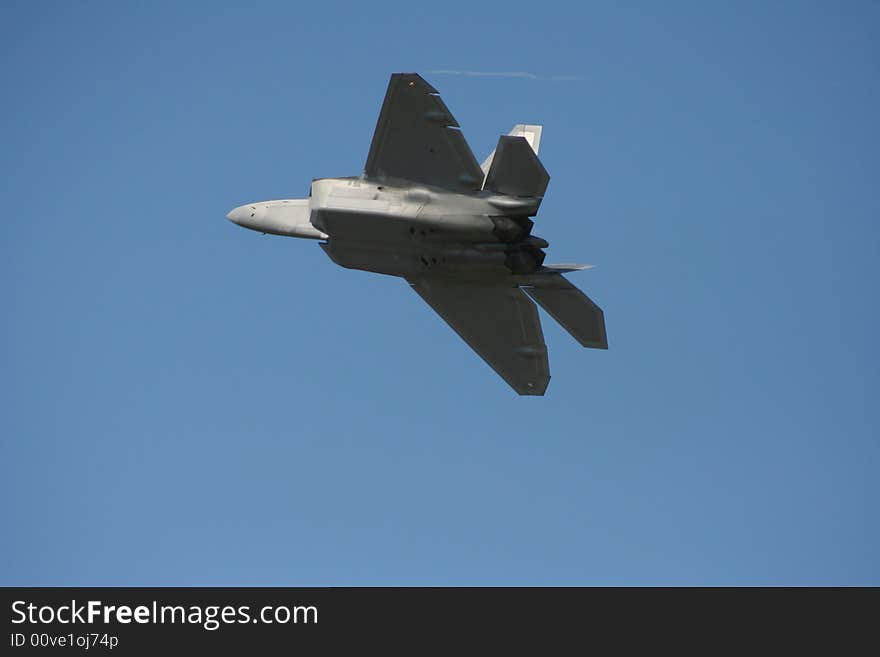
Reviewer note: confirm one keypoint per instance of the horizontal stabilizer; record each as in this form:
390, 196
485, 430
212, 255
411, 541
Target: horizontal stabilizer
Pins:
573, 309
563, 268
516, 169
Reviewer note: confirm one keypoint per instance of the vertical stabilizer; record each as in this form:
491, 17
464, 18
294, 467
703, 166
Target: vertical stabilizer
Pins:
531, 133
516, 170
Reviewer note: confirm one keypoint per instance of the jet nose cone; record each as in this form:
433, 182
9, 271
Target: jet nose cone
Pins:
237, 215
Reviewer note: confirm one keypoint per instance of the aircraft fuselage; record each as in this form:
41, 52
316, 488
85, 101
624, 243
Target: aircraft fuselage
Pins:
397, 228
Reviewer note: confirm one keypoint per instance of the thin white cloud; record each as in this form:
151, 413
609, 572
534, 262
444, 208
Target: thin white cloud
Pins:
504, 74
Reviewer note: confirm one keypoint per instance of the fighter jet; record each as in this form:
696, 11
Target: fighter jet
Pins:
458, 232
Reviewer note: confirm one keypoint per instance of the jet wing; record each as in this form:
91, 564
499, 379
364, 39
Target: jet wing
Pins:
418, 139
499, 322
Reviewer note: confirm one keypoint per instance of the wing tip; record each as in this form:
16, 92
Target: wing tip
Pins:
413, 78
532, 388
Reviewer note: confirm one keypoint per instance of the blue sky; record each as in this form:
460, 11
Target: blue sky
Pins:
189, 403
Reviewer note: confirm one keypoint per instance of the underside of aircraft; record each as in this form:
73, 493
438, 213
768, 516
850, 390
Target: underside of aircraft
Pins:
460, 233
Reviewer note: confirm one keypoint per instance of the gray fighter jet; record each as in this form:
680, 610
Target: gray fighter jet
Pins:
458, 232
